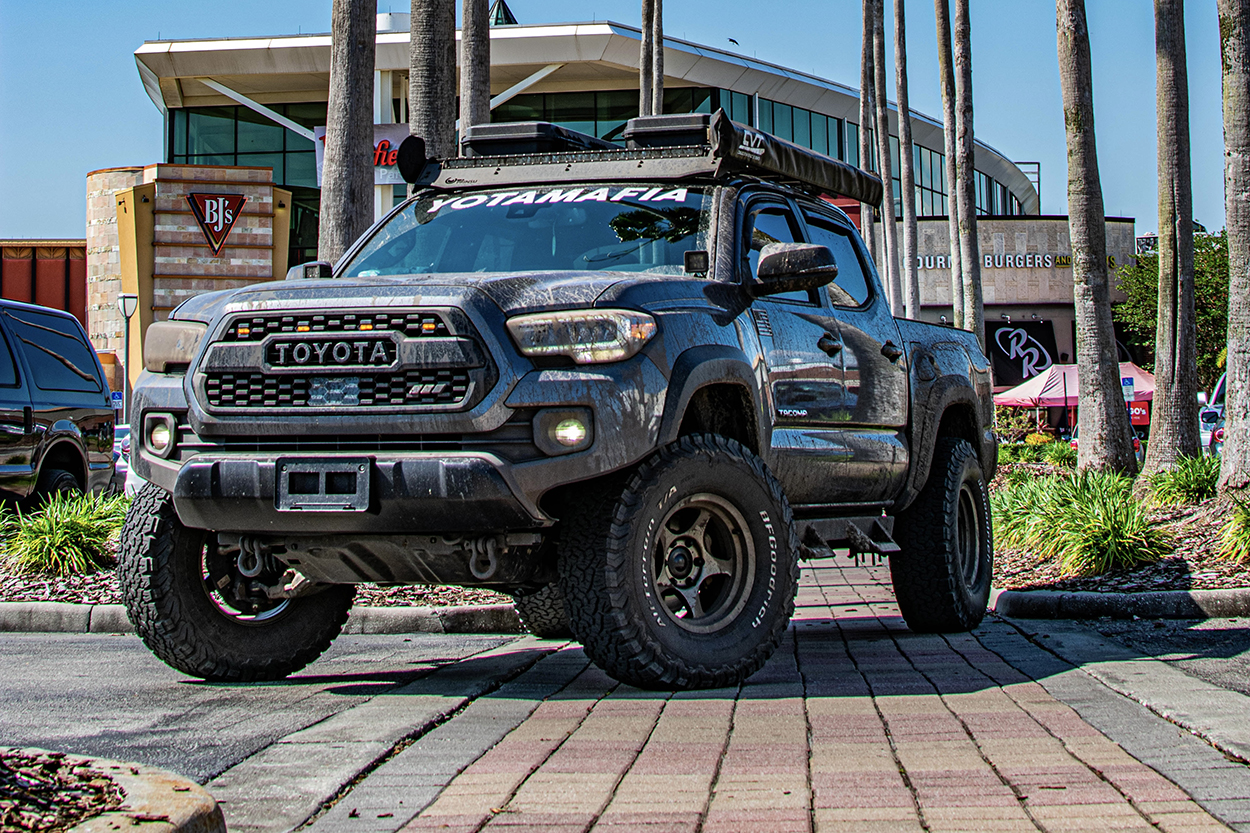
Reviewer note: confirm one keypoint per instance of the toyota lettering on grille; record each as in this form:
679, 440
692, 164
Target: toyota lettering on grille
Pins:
331, 352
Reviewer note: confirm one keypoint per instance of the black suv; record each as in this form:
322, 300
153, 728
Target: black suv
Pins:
56, 414
629, 386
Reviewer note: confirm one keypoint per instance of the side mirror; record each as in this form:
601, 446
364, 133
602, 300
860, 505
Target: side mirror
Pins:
1202, 397
787, 267
310, 271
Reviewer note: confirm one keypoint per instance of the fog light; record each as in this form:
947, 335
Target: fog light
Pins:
159, 434
569, 432
159, 439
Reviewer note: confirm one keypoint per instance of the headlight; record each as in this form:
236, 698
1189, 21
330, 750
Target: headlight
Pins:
169, 346
586, 336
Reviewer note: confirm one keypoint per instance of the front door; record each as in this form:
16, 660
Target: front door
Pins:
17, 436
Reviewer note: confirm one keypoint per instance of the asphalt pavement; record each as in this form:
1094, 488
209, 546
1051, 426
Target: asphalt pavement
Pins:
855, 724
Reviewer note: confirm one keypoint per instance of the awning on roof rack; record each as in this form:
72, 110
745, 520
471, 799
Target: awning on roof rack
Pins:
743, 148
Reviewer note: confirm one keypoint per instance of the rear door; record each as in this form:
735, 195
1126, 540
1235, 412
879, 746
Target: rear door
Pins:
874, 413
801, 345
17, 436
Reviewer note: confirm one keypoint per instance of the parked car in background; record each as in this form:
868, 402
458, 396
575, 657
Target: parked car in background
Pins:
1216, 445
121, 458
56, 417
1212, 414
1139, 450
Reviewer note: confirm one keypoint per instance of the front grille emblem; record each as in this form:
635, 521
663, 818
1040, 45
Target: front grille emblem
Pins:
427, 390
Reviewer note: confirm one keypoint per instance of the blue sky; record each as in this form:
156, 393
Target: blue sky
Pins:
72, 101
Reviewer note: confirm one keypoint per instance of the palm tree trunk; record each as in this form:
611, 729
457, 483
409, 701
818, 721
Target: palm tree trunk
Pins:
965, 175
946, 70
866, 110
646, 60
907, 174
894, 284
1174, 417
432, 76
1103, 419
347, 173
1235, 51
657, 58
474, 65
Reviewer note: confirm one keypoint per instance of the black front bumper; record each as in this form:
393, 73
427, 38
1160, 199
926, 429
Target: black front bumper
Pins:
409, 493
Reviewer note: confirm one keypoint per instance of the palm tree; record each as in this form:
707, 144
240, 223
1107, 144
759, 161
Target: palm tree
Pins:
646, 60
965, 175
907, 176
657, 58
1174, 417
1235, 51
347, 173
946, 71
893, 284
866, 110
1103, 420
432, 76
474, 64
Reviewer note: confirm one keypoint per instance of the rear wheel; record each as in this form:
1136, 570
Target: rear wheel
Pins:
684, 575
199, 613
942, 575
56, 483
543, 614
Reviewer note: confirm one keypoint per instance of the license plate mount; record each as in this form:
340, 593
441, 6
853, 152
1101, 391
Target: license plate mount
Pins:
339, 484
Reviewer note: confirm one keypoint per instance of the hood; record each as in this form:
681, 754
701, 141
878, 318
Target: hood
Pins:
512, 293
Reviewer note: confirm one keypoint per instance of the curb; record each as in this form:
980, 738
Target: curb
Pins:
155, 799
63, 617
1159, 604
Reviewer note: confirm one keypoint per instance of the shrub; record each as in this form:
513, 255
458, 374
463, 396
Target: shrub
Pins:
67, 536
1038, 438
1192, 480
1019, 453
1012, 424
1235, 542
1089, 521
1062, 455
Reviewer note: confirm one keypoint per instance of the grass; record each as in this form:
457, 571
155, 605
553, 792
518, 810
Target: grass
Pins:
1089, 521
1235, 542
1020, 453
1062, 455
68, 535
1192, 480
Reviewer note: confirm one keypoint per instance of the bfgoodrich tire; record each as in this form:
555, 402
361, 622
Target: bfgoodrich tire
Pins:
543, 614
163, 570
684, 575
942, 576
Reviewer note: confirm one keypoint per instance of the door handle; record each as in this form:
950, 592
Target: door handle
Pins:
830, 345
891, 351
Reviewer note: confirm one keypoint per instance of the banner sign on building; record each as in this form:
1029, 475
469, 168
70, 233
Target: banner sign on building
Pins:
386, 139
1020, 351
216, 214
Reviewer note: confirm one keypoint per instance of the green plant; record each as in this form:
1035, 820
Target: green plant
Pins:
1012, 424
1019, 453
1235, 542
69, 535
1191, 480
1038, 438
1089, 521
1060, 455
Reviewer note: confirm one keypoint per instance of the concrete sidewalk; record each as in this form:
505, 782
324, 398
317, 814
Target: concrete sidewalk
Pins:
855, 724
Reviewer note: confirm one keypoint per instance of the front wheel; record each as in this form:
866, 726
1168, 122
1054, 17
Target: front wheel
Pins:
942, 574
194, 610
684, 576
542, 612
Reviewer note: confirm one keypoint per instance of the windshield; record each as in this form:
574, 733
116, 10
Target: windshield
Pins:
630, 228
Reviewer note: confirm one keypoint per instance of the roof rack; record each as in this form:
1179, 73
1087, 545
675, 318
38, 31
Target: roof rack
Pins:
659, 147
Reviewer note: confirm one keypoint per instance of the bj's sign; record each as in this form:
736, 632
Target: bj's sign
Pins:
386, 139
216, 214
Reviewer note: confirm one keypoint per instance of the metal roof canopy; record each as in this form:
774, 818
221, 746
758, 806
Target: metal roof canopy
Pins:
730, 148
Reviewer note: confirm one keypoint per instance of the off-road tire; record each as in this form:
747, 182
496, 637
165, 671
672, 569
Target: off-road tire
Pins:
543, 614
159, 571
607, 557
56, 482
939, 589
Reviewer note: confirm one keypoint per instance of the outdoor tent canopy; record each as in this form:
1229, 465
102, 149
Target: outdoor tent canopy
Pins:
1058, 386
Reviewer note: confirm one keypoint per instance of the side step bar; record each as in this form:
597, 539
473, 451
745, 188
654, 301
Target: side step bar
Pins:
868, 535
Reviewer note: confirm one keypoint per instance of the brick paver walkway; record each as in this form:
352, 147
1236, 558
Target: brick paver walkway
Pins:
855, 724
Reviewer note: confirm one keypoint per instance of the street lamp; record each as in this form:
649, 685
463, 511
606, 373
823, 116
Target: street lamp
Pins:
128, 303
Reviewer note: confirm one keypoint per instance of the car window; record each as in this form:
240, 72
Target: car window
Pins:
850, 289
8, 369
772, 223
55, 351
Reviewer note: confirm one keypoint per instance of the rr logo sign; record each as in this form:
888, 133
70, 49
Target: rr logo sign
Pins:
216, 214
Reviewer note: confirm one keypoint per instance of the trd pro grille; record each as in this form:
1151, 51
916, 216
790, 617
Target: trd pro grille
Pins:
411, 324
368, 390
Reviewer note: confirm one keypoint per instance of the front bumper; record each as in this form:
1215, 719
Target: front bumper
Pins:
409, 493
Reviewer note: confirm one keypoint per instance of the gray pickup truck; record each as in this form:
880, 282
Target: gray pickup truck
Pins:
630, 386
